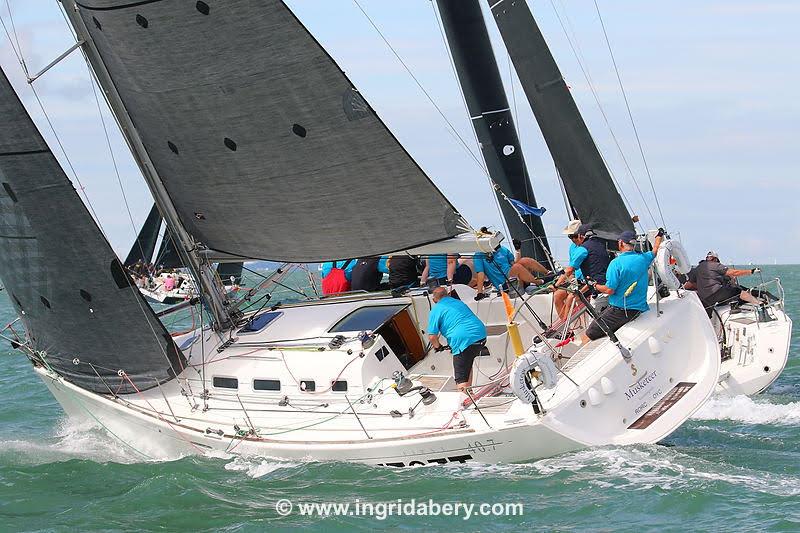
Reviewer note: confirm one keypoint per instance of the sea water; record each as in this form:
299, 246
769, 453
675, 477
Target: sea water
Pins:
734, 466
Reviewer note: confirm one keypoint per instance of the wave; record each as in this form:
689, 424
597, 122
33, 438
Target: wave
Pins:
745, 409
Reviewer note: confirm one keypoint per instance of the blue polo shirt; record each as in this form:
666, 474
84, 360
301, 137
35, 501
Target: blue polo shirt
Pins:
437, 266
576, 256
348, 272
625, 270
496, 269
457, 323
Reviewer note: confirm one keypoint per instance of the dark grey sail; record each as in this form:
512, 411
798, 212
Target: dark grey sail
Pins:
145, 244
490, 115
265, 147
587, 181
70, 290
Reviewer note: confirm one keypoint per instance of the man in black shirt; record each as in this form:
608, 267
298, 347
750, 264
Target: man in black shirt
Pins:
365, 275
404, 271
714, 282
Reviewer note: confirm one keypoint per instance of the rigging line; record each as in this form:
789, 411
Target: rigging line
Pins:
576, 51
16, 38
630, 113
13, 47
21, 60
429, 97
515, 114
482, 165
114, 161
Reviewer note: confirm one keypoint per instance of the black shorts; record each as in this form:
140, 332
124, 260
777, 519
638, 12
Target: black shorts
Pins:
613, 318
462, 363
725, 294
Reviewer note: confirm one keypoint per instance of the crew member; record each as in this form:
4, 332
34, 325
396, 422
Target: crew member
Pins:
366, 275
465, 334
626, 285
588, 257
715, 282
404, 271
336, 276
439, 270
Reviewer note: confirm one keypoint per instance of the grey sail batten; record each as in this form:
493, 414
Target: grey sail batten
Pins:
266, 149
145, 244
80, 309
583, 173
491, 117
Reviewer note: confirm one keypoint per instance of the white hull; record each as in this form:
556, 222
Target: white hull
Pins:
598, 399
754, 352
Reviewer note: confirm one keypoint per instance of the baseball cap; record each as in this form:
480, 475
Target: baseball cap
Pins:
572, 228
628, 237
584, 229
712, 253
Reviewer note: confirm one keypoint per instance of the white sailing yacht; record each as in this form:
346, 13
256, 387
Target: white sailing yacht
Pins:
239, 93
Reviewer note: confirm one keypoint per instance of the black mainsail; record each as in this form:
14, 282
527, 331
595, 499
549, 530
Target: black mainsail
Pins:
83, 316
587, 181
145, 244
265, 148
490, 114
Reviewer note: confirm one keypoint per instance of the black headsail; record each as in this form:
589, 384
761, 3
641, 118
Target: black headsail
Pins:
265, 148
587, 181
70, 290
145, 244
490, 114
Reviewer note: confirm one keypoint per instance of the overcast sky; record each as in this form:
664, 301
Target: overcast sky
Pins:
712, 86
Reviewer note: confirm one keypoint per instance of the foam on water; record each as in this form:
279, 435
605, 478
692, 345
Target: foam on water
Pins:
72, 440
256, 467
643, 468
745, 409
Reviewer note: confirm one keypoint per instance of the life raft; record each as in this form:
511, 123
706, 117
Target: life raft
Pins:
522, 382
666, 270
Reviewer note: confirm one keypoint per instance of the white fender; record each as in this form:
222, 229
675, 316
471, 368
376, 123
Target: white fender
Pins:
533, 360
671, 249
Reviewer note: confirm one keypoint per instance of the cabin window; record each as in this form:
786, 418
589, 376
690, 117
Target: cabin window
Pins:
267, 384
339, 386
367, 318
225, 383
259, 322
308, 385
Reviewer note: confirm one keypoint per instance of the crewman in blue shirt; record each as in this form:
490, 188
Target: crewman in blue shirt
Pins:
439, 270
588, 258
626, 285
500, 266
465, 334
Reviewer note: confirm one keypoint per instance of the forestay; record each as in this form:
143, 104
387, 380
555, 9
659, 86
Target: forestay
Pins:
265, 147
588, 184
71, 291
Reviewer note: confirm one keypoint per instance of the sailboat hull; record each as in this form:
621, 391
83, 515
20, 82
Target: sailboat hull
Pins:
598, 399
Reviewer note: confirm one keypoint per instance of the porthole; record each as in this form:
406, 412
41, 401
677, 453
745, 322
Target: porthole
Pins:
339, 386
308, 385
225, 383
267, 384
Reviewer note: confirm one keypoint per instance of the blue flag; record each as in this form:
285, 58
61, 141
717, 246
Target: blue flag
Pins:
525, 209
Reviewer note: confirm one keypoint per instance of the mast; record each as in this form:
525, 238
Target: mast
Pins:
591, 191
187, 248
479, 77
